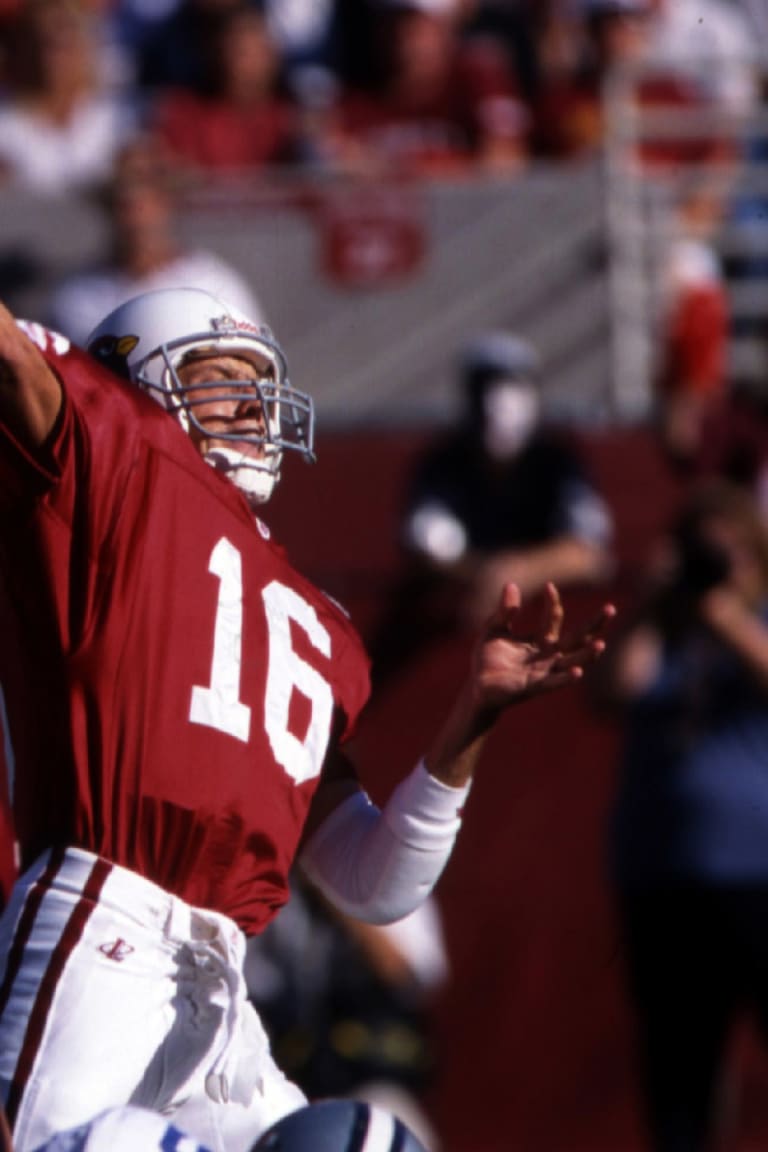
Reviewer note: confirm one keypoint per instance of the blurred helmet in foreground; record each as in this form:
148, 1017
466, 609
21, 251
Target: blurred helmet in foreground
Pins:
339, 1126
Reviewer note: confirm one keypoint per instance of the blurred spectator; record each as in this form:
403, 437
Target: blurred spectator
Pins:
668, 53
238, 120
690, 836
145, 251
527, 29
734, 442
60, 124
709, 47
711, 41
347, 1004
504, 496
173, 52
706, 49
436, 105
569, 118
692, 374
653, 58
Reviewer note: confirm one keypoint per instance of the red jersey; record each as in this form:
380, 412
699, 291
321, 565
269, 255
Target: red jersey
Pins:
475, 102
221, 137
695, 346
170, 680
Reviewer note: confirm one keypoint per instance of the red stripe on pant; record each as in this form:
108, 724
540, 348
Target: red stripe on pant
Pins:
68, 940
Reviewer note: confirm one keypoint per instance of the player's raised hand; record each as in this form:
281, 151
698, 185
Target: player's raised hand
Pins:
511, 665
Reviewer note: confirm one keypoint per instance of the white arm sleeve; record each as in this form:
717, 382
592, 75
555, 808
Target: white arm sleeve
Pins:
377, 865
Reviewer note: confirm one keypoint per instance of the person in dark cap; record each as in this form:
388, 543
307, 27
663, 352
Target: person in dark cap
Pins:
505, 493
503, 496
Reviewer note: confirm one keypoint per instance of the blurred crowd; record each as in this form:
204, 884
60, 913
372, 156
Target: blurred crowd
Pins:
417, 87
134, 102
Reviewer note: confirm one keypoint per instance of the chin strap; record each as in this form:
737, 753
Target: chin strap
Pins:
255, 479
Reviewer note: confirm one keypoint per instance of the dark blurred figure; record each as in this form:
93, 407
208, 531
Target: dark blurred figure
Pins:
503, 496
237, 118
145, 249
734, 443
168, 38
690, 834
523, 28
174, 52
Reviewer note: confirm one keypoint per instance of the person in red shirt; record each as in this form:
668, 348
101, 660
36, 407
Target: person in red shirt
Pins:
177, 696
692, 387
237, 120
437, 105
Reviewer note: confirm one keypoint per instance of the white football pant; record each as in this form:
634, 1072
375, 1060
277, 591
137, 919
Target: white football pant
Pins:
114, 992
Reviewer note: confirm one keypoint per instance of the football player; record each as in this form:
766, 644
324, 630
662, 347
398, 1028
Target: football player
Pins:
177, 695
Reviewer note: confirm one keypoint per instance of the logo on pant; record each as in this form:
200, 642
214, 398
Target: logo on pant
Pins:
118, 950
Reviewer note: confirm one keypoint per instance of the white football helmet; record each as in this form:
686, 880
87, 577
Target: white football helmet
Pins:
150, 336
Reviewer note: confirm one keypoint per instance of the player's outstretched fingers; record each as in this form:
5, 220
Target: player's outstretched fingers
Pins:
554, 614
580, 656
560, 675
507, 609
589, 642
